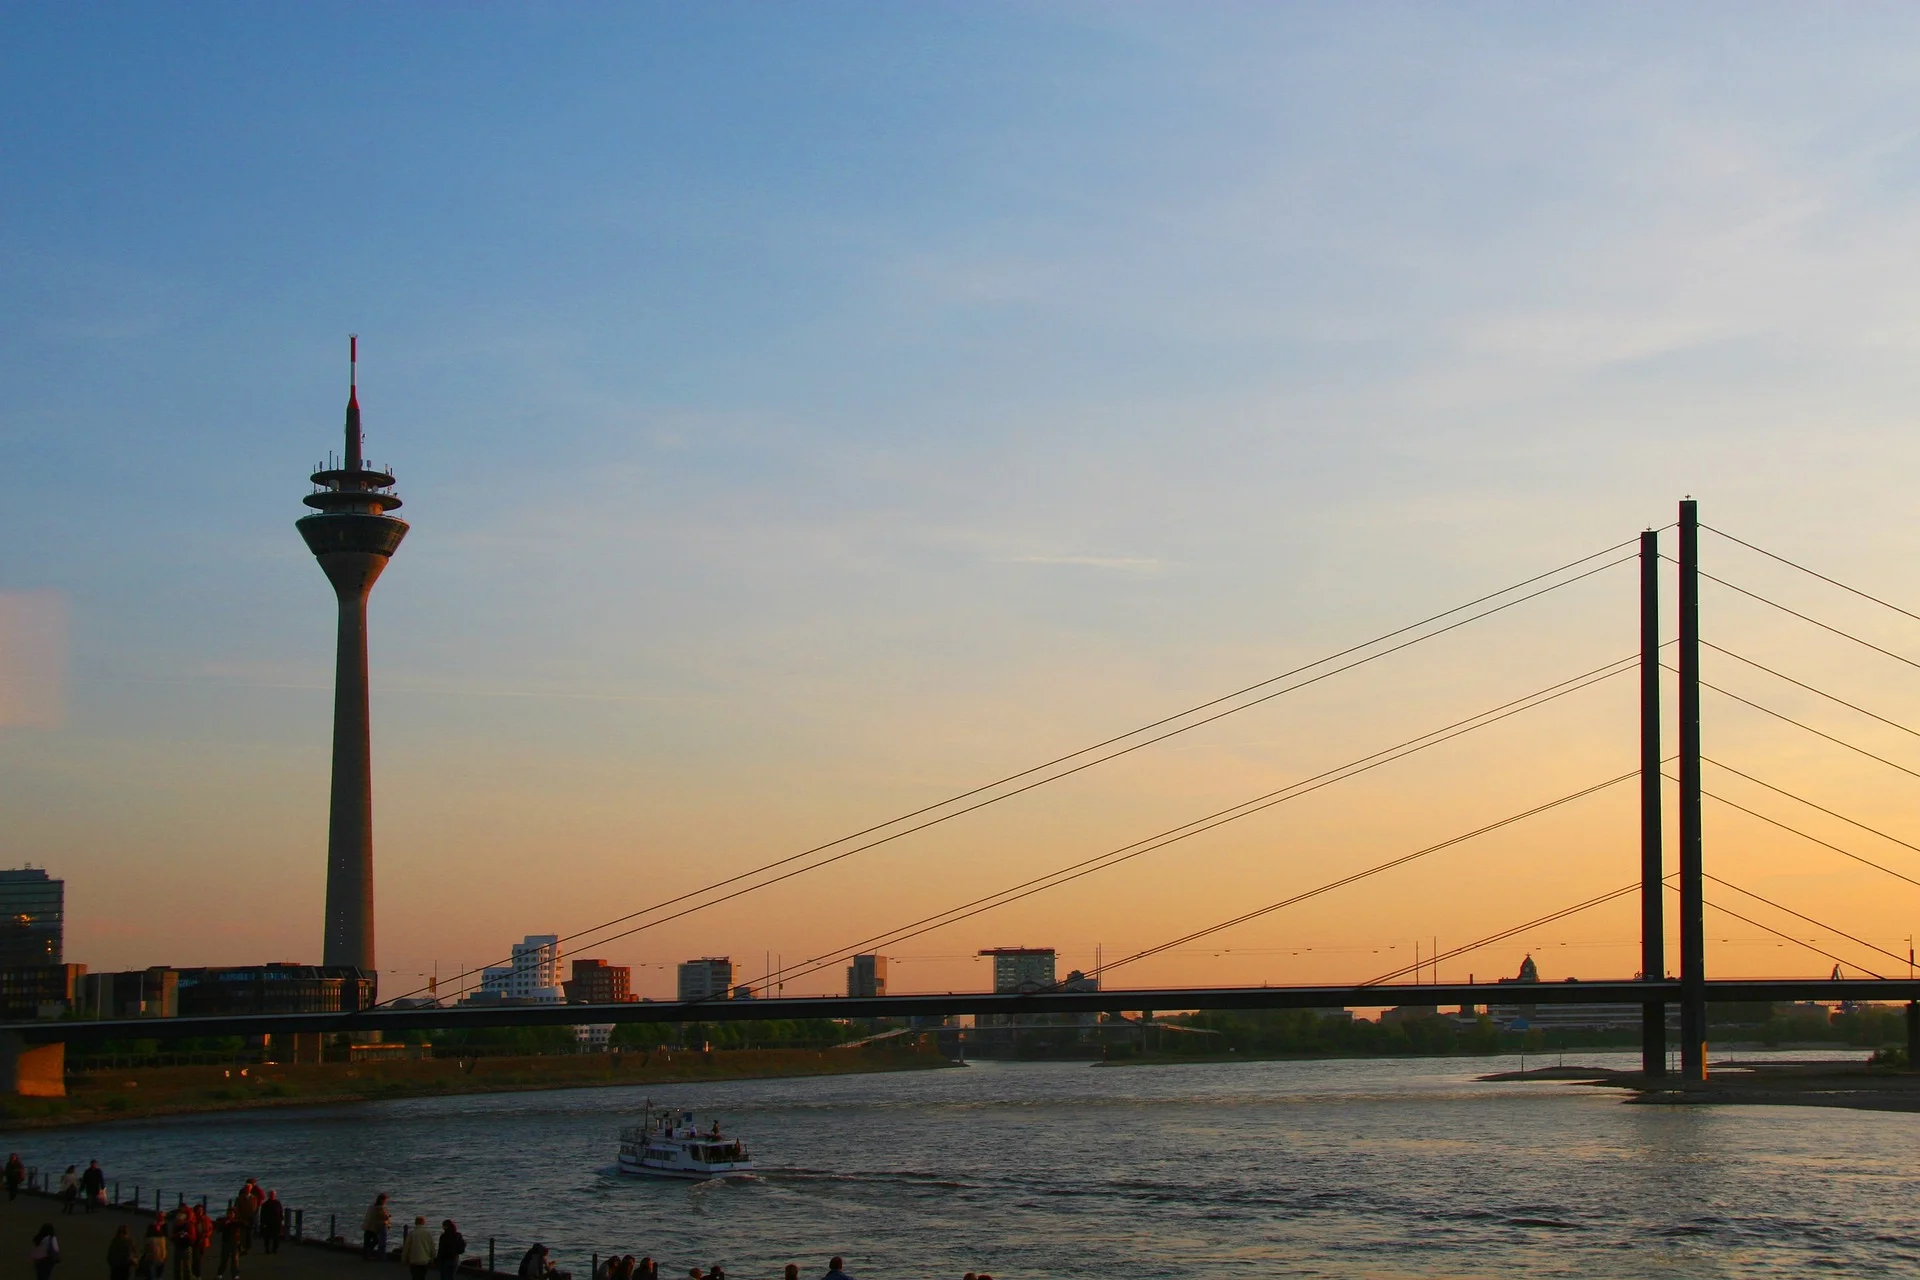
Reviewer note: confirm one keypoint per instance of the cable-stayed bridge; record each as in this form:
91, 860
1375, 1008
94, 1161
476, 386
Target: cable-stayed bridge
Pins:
1687, 888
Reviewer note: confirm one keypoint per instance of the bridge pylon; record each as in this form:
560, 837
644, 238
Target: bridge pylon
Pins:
1693, 932
1653, 887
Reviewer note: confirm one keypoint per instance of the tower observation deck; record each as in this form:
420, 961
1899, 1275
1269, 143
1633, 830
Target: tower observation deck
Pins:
353, 536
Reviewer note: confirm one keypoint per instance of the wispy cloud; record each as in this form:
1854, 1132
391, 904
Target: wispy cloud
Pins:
1123, 564
380, 687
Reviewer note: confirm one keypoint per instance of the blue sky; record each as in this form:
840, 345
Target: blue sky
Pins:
805, 411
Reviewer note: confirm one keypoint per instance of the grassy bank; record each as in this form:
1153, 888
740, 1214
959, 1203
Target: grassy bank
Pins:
132, 1093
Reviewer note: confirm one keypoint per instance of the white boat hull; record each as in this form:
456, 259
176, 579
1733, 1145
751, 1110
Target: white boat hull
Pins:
642, 1169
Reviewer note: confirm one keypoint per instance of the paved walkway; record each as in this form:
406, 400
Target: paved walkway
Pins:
84, 1238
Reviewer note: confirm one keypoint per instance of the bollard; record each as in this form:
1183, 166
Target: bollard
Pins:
333, 1227
490, 1270
595, 1273
116, 1191
300, 1225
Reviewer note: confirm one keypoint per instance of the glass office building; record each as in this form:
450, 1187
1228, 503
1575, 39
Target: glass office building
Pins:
32, 917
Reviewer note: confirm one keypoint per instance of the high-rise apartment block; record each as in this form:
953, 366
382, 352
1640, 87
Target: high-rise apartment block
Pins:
1021, 969
597, 982
867, 976
536, 964
706, 978
32, 917
534, 975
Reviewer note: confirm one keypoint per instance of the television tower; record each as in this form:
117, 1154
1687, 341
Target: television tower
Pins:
352, 536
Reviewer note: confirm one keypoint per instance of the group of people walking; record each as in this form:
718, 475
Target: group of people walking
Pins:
422, 1249
175, 1244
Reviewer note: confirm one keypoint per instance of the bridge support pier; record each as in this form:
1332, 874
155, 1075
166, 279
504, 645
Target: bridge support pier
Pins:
32, 1070
1913, 1035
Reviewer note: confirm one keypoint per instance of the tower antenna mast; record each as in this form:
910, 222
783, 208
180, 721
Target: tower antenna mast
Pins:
354, 442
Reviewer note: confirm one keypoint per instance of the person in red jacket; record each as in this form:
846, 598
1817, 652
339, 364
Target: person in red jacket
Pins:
202, 1240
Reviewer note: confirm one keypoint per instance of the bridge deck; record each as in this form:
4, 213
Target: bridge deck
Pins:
1162, 999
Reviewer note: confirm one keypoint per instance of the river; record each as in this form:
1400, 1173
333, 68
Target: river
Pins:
1333, 1168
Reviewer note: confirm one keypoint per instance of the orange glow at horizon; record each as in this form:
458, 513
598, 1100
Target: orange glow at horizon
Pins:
485, 837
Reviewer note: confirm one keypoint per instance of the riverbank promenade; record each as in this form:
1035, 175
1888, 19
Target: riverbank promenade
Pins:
84, 1238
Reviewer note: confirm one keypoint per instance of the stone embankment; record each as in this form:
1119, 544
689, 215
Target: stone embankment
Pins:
129, 1093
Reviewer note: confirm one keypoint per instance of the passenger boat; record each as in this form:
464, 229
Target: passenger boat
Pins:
668, 1144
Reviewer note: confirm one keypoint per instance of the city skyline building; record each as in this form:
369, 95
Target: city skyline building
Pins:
597, 982
1021, 969
32, 917
139, 993
534, 975
867, 977
352, 535
705, 978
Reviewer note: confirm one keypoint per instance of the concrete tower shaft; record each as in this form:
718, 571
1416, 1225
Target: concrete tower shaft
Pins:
353, 537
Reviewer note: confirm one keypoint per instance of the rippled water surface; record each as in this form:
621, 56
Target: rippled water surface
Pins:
1056, 1169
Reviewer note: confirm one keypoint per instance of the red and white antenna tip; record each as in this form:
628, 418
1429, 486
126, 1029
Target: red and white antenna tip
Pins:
353, 358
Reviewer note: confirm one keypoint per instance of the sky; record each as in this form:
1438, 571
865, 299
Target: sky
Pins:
807, 413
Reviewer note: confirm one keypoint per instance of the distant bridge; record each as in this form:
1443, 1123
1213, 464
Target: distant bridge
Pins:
461, 1017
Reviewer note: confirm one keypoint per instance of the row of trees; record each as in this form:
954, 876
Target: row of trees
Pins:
810, 1033
1304, 1031
784, 1033
1253, 1031
1307, 1032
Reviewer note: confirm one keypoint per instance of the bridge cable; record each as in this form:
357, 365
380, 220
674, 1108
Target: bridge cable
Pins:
1504, 934
1774, 822
1799, 942
1811, 805
1357, 876
1809, 919
1074, 755
1813, 573
1839, 742
1779, 675
1114, 857
1149, 844
1824, 626
1310, 893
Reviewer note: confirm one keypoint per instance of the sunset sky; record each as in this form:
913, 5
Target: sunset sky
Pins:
806, 413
